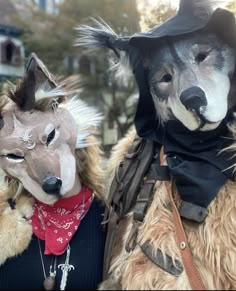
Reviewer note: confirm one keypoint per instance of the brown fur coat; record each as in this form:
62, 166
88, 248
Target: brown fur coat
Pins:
212, 243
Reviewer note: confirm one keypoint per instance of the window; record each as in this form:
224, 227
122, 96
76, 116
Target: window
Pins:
42, 4
84, 65
10, 53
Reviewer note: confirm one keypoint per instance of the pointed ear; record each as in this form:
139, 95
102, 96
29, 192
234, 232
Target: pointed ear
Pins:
42, 74
24, 95
36, 75
44, 80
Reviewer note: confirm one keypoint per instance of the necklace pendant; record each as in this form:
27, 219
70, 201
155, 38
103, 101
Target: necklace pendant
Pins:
49, 283
66, 267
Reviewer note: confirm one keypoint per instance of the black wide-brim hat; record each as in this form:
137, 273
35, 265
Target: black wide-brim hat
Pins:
192, 16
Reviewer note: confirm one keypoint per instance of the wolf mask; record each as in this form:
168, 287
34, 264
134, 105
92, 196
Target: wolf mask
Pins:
41, 130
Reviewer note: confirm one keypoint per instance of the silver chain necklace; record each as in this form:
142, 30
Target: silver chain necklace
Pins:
50, 281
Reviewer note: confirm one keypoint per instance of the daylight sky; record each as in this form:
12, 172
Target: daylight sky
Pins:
175, 3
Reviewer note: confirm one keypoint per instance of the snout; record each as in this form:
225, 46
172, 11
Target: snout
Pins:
194, 99
52, 185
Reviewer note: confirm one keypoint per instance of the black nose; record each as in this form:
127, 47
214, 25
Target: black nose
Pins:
52, 185
193, 98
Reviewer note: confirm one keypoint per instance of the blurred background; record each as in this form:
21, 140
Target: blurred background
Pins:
47, 27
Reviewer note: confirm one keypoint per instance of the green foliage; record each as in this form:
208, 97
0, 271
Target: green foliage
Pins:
155, 16
232, 7
52, 37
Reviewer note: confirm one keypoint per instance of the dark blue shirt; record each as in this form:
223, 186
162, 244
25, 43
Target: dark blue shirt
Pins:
87, 248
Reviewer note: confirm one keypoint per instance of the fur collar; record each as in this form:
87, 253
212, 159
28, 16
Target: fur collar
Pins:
16, 232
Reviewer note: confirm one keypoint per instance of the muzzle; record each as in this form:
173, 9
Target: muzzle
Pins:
194, 99
52, 185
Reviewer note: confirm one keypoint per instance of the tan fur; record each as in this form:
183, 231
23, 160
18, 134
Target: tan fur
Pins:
213, 243
90, 168
15, 230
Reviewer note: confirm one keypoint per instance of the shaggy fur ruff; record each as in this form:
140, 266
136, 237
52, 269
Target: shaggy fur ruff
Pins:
212, 243
15, 230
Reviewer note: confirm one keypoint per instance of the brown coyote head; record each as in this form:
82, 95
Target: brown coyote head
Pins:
44, 137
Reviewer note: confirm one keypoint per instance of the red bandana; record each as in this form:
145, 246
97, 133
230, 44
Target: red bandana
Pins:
56, 224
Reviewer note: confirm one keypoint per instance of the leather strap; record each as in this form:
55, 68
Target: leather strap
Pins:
129, 176
189, 265
112, 231
131, 241
145, 197
124, 191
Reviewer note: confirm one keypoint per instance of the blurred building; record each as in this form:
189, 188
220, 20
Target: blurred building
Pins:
11, 47
12, 51
49, 6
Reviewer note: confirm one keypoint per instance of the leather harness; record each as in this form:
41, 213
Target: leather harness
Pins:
132, 189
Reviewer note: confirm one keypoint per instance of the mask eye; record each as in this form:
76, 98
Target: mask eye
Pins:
201, 57
167, 78
15, 158
51, 137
